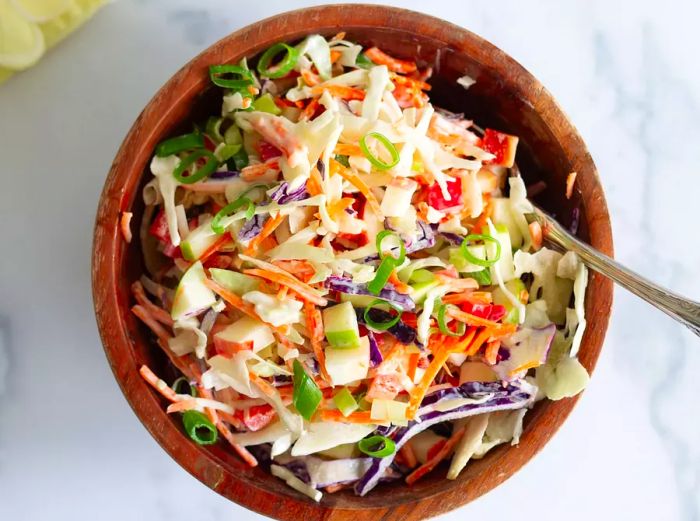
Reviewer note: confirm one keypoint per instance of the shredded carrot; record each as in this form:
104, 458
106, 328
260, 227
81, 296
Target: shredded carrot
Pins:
393, 64
457, 284
124, 223
445, 451
314, 324
334, 415
336, 208
412, 365
156, 312
491, 354
408, 455
340, 91
570, 180
270, 226
535, 234
148, 319
158, 384
225, 431
420, 390
400, 286
335, 56
332, 489
252, 172
482, 337
238, 303
475, 297
303, 289
482, 220
473, 320
524, 367
338, 36
230, 418
314, 184
282, 293
464, 342
337, 168
347, 150
310, 78
215, 247
309, 110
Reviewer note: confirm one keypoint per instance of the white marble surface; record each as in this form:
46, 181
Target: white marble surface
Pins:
70, 447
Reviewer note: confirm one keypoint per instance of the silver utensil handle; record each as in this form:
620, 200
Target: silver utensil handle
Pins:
683, 310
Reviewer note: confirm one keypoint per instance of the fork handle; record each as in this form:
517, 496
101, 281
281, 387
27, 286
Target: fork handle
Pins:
685, 311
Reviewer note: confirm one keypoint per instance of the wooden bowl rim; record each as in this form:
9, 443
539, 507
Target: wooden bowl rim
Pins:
108, 251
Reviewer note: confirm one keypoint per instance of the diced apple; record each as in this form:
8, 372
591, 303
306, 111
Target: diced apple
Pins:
348, 365
502, 214
248, 329
192, 295
505, 261
237, 283
397, 197
340, 325
198, 241
501, 145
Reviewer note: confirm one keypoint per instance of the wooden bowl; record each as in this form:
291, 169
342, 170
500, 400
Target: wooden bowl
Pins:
505, 97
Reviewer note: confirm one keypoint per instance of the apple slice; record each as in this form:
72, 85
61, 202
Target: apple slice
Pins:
348, 365
340, 325
198, 241
248, 329
235, 282
192, 295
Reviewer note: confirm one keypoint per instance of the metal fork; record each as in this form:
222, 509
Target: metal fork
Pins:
685, 311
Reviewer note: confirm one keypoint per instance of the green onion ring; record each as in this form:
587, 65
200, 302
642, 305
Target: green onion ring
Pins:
476, 260
388, 447
283, 67
306, 396
444, 329
199, 427
228, 210
378, 163
402, 247
178, 144
179, 382
382, 326
201, 173
381, 277
243, 79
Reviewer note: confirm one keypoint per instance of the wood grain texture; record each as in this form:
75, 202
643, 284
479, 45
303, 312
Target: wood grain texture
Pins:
505, 97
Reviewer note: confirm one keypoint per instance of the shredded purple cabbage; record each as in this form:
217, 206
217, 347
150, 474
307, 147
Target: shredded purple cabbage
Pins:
402, 332
514, 395
375, 355
575, 220
388, 292
425, 238
452, 238
252, 227
321, 168
280, 380
282, 194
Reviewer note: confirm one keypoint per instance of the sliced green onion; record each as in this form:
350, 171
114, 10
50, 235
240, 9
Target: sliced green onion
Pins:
177, 385
381, 326
363, 62
476, 260
199, 427
343, 160
179, 144
265, 103
345, 402
483, 277
377, 446
444, 329
306, 396
283, 67
238, 161
381, 277
239, 77
378, 163
200, 173
227, 210
213, 128
402, 247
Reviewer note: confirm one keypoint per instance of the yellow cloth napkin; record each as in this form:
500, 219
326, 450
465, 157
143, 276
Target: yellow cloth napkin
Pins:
28, 28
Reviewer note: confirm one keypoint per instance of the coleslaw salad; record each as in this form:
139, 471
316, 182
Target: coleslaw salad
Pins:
344, 276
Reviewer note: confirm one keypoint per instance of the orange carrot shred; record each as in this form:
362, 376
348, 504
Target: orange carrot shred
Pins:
335, 56
535, 234
158, 384
393, 64
303, 289
337, 168
437, 458
408, 455
340, 91
334, 415
347, 150
124, 224
314, 324
216, 246
491, 354
156, 312
269, 227
570, 180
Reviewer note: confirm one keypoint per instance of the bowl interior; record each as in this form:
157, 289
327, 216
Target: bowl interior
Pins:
504, 97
